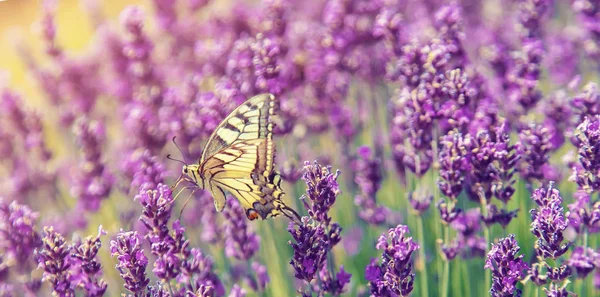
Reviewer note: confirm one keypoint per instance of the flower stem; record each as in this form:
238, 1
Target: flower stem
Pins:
446, 272
424, 286
486, 234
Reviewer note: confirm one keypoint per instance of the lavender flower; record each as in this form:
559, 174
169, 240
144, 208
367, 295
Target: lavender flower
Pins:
240, 241
127, 248
334, 285
89, 269
394, 274
54, 257
507, 267
156, 213
198, 271
587, 13
310, 248
368, 177
533, 148
587, 177
145, 169
420, 201
582, 261
92, 181
237, 291
586, 103
583, 216
18, 237
454, 162
549, 223
321, 190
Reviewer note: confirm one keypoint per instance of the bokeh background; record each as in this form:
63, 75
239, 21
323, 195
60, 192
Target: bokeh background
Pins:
354, 139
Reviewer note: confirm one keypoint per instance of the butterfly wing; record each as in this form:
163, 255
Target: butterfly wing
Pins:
243, 170
250, 120
239, 158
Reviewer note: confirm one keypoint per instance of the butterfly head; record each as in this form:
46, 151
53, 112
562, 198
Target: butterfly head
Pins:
193, 174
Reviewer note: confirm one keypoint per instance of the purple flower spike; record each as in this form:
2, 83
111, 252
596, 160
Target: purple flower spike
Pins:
555, 291
582, 261
18, 238
454, 162
54, 258
587, 13
394, 275
549, 223
240, 241
533, 148
588, 136
420, 201
127, 248
89, 269
507, 267
368, 177
156, 212
334, 286
237, 291
310, 248
321, 190
92, 182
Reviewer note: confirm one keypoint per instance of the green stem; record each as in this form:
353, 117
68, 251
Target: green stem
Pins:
466, 275
486, 234
421, 234
446, 273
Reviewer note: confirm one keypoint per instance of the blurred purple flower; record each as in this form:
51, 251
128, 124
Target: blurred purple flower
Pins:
91, 180
533, 148
587, 13
240, 241
237, 291
18, 237
368, 176
420, 201
507, 267
584, 216
582, 261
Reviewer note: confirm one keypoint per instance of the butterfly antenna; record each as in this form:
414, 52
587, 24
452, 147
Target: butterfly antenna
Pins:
186, 202
178, 148
176, 160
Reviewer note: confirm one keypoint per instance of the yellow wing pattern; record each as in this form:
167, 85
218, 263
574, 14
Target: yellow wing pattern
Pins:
239, 159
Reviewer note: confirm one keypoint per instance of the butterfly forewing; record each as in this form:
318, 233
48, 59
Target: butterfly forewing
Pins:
248, 121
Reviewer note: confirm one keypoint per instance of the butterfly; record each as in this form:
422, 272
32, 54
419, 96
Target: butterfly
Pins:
238, 158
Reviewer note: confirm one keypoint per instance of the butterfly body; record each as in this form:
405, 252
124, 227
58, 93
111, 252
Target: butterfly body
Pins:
238, 158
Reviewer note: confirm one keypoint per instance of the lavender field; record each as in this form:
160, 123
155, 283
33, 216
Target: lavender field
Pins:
431, 148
